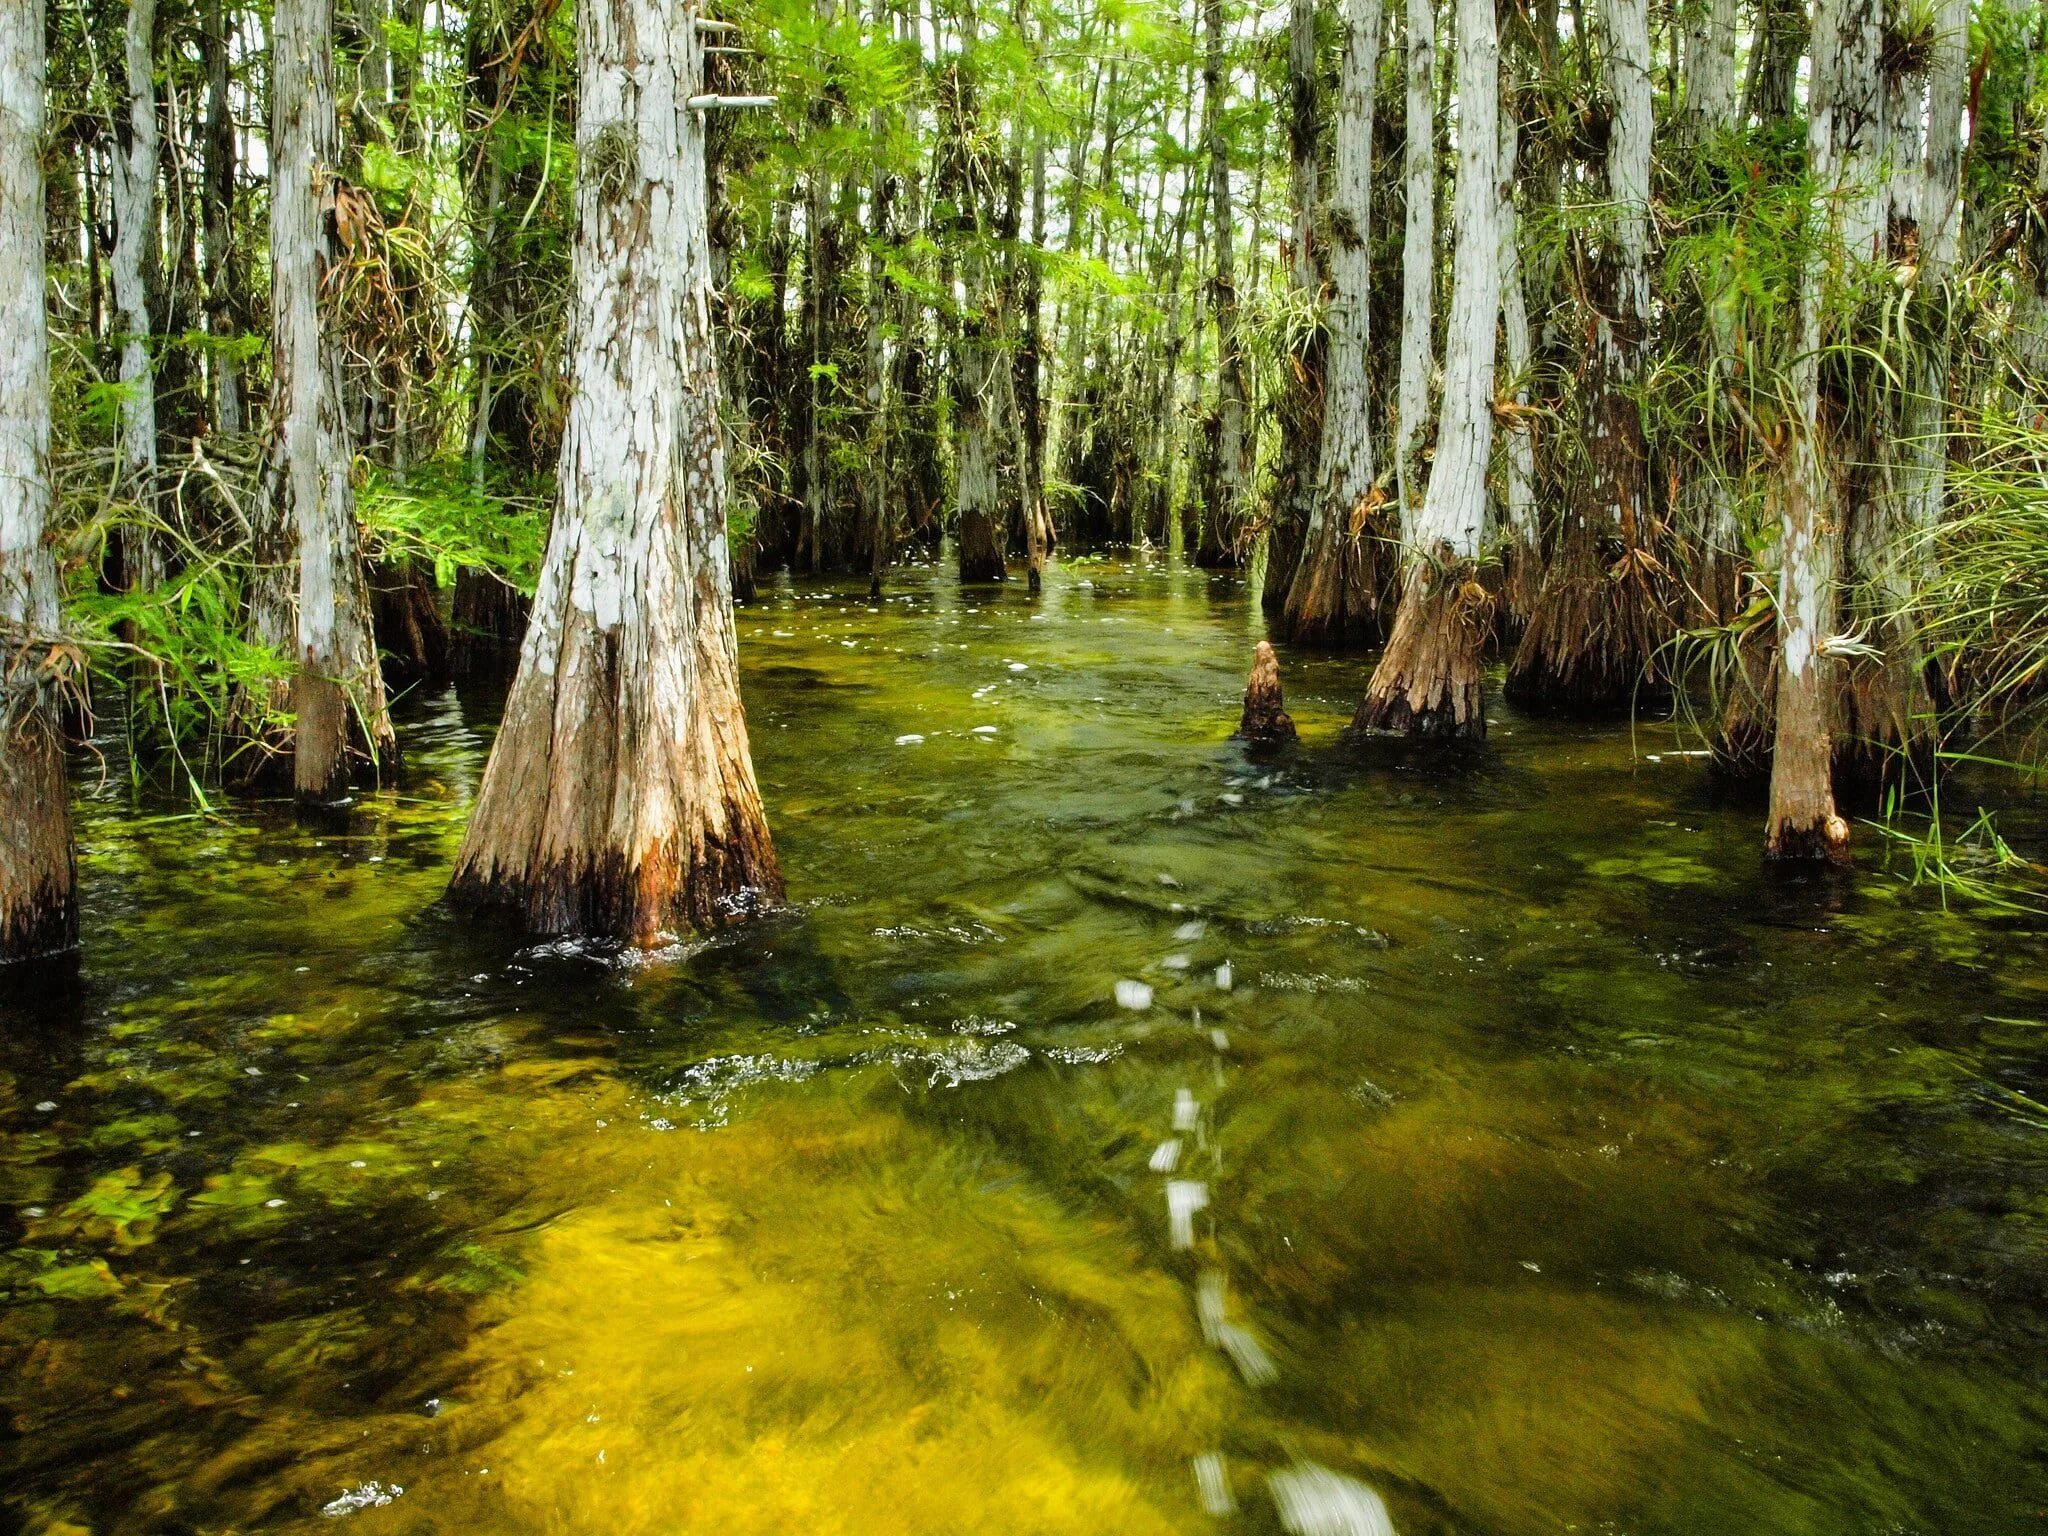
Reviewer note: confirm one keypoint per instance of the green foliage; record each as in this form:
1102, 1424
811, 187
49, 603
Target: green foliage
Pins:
439, 516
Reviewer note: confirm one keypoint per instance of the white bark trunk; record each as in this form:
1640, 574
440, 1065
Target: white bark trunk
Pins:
134, 197
1427, 681
1628, 180
1709, 69
1332, 587
338, 693
1453, 514
620, 795
219, 231
1418, 260
1518, 437
1844, 147
1233, 467
1940, 219
38, 912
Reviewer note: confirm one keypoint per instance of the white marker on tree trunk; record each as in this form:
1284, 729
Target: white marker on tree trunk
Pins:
620, 796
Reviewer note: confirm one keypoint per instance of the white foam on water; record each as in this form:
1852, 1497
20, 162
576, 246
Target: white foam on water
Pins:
1135, 995
1184, 1197
1314, 1501
1211, 1487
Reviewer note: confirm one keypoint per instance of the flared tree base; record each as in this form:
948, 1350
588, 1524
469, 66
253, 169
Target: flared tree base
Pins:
38, 868
981, 553
1427, 683
1824, 840
332, 735
711, 882
1591, 647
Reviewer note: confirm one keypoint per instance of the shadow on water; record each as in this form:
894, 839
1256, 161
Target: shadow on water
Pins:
1119, 1127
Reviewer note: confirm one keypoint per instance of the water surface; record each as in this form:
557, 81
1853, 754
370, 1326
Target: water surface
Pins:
1536, 1162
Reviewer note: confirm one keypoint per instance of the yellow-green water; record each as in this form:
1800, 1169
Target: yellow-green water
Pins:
1564, 1172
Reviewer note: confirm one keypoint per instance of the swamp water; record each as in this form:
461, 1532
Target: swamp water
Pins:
1118, 1134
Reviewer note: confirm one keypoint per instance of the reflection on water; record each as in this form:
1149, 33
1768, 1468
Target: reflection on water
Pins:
1118, 1134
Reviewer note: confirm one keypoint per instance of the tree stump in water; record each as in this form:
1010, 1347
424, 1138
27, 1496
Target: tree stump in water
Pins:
1266, 721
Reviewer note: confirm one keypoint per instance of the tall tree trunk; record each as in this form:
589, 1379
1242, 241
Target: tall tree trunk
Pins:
223, 293
1418, 261
1842, 151
1522, 530
976, 489
620, 796
1225, 503
1709, 69
38, 874
1336, 586
337, 692
1888, 729
1427, 682
1302, 398
1038, 530
880, 300
1601, 616
1774, 54
136, 263
821, 281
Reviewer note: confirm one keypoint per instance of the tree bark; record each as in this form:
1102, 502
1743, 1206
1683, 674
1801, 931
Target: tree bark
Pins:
1038, 529
620, 796
38, 877
1842, 150
1523, 555
223, 295
1225, 503
337, 692
1418, 261
1709, 69
1302, 393
1335, 592
1888, 729
135, 265
880, 300
977, 493
1601, 617
1427, 682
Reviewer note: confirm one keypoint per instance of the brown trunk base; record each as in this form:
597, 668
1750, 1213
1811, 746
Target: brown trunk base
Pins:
38, 863
1886, 732
1825, 840
1592, 643
487, 620
1334, 598
1265, 721
320, 746
1427, 683
714, 883
405, 616
981, 554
